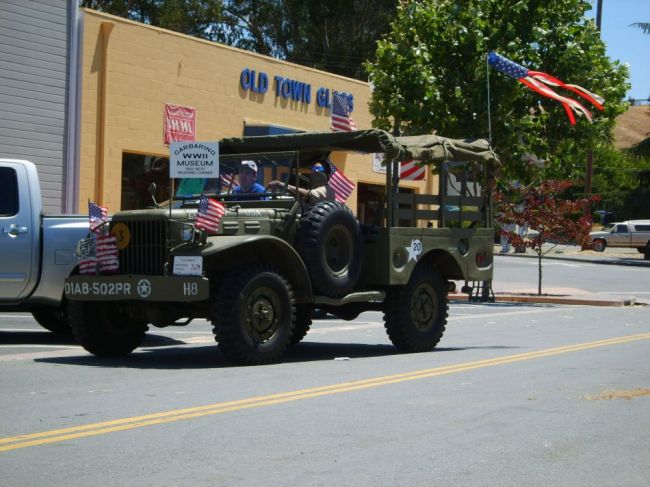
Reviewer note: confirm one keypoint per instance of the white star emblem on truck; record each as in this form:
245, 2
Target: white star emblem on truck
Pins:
144, 288
414, 250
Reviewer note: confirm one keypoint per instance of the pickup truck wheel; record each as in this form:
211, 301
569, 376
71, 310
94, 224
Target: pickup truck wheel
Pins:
329, 242
105, 329
415, 315
640, 250
253, 315
303, 323
600, 245
54, 320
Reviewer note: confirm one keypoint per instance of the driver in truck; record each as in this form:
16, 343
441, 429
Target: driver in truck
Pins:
248, 180
319, 189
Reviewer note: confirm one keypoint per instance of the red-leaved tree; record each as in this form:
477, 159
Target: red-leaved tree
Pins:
547, 210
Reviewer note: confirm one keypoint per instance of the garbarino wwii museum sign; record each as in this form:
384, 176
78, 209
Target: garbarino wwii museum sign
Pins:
194, 160
286, 88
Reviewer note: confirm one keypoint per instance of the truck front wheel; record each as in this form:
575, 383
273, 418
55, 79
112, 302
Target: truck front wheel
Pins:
600, 245
254, 315
415, 315
105, 329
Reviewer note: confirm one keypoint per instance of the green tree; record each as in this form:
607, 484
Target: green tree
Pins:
644, 26
198, 18
430, 74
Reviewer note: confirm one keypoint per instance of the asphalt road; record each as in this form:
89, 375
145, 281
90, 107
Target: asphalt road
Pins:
514, 395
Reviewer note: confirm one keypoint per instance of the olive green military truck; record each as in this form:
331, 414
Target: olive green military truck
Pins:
275, 258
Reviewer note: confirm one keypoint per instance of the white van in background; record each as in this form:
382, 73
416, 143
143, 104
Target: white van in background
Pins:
632, 233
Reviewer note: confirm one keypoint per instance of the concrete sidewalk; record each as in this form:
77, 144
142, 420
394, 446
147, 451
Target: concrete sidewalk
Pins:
523, 293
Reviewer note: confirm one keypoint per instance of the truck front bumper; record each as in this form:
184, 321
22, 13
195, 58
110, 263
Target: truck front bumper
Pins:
137, 287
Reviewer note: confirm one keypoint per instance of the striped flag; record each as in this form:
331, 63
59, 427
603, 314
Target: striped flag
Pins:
97, 216
209, 214
340, 184
340, 120
107, 253
412, 171
88, 265
226, 180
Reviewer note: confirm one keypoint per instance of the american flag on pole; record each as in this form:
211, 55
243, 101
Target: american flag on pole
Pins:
97, 216
107, 253
542, 83
209, 214
340, 120
340, 184
412, 171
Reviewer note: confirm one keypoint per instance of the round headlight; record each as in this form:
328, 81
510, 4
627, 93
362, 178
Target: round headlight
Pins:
187, 234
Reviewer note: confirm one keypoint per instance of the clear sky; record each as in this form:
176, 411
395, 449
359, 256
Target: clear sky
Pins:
628, 44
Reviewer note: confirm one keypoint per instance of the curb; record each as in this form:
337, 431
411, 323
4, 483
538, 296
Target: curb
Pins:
630, 263
515, 298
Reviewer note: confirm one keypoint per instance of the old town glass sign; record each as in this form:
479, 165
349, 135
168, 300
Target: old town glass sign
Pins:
287, 88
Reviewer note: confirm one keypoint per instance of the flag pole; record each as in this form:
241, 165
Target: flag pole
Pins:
489, 114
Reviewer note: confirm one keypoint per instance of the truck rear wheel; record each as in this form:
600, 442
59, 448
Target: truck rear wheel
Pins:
105, 329
253, 315
54, 320
415, 315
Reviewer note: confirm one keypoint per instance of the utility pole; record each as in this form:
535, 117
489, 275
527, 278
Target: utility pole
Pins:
599, 14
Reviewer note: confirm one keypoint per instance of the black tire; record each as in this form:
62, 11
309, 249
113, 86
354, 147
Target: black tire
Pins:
53, 319
329, 242
105, 329
253, 315
303, 323
641, 250
646, 253
415, 315
600, 245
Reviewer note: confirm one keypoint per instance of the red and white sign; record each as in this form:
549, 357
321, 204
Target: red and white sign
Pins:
179, 123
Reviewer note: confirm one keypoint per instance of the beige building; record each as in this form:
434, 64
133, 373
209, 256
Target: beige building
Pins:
131, 71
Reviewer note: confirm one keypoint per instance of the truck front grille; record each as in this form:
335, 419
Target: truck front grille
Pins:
146, 252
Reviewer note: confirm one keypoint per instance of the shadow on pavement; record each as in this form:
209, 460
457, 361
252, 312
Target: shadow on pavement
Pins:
205, 357
48, 338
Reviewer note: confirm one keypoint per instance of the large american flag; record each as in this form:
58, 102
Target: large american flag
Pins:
340, 184
209, 214
107, 253
97, 215
340, 120
542, 83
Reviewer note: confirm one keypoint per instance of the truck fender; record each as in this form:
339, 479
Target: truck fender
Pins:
225, 252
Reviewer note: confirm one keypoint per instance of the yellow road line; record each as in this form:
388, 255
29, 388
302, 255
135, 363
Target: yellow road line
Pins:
93, 429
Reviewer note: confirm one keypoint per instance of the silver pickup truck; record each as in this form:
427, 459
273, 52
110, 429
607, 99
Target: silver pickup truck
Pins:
632, 233
37, 252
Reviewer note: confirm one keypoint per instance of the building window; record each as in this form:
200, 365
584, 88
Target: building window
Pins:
138, 172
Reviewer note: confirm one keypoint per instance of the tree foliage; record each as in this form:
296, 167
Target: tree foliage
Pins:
197, 18
548, 209
431, 74
336, 36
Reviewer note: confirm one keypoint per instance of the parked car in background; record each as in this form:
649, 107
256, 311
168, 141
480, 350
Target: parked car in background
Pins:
632, 233
37, 252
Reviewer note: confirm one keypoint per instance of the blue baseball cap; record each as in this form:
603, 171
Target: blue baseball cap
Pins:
318, 167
